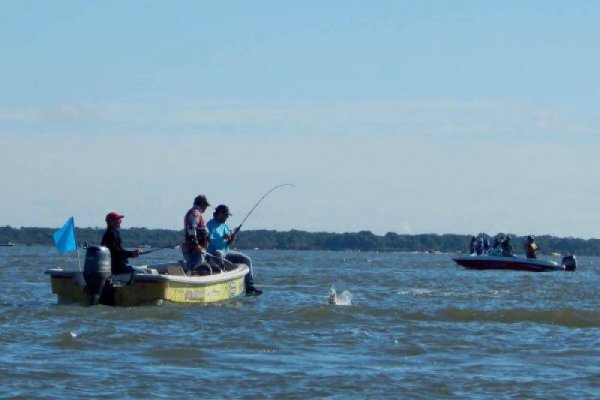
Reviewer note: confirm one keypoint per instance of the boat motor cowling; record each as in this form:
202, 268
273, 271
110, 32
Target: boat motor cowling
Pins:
96, 270
569, 263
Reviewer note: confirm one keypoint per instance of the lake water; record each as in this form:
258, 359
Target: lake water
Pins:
416, 326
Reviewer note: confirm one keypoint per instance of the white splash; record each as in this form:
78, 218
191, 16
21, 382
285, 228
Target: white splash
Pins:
343, 299
68, 335
416, 292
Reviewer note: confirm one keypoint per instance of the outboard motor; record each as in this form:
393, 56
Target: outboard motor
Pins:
96, 270
569, 263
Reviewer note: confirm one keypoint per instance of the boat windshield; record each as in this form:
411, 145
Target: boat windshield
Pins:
499, 253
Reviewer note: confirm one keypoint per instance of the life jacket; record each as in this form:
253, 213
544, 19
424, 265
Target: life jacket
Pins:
195, 229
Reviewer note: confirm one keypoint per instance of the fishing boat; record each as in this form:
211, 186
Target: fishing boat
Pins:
497, 260
7, 244
149, 285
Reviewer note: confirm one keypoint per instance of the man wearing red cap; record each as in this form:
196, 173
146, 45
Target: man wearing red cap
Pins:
112, 240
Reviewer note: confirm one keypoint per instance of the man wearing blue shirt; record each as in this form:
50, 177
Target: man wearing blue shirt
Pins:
220, 237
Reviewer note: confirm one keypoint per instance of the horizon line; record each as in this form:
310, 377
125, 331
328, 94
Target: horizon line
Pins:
328, 232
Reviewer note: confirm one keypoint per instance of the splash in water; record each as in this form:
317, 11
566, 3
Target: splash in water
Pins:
343, 299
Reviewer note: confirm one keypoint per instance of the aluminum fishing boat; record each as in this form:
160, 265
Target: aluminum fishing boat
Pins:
149, 285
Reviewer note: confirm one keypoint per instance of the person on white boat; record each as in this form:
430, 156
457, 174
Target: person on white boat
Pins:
196, 233
220, 237
112, 240
531, 247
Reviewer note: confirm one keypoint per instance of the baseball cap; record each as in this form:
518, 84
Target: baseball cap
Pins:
201, 199
222, 208
113, 215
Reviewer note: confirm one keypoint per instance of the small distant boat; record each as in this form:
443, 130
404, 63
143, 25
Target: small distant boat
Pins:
7, 244
152, 285
515, 263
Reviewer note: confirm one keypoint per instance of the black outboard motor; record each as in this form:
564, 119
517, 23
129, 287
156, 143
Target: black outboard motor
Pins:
569, 263
96, 270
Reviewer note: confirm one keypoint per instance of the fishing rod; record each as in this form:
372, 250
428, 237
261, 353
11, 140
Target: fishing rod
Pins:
217, 258
236, 230
160, 248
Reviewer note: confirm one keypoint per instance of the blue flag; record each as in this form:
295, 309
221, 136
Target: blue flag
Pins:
64, 238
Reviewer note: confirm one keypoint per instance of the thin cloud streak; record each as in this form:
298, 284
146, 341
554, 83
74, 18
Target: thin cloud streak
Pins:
382, 117
107, 112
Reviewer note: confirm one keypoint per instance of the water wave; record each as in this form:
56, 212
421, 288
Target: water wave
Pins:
568, 317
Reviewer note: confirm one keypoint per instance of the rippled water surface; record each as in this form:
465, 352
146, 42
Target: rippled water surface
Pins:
417, 326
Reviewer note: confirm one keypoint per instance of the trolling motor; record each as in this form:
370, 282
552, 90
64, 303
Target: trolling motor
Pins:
569, 263
96, 270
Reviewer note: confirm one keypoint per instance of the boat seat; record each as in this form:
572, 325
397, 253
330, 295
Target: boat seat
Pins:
201, 270
175, 270
215, 269
229, 267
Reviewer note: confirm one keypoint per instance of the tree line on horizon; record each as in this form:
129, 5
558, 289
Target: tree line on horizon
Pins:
302, 240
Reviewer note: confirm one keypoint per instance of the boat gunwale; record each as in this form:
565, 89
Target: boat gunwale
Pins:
240, 271
523, 260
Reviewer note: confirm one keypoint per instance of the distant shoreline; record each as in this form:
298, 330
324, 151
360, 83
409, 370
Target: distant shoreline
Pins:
302, 240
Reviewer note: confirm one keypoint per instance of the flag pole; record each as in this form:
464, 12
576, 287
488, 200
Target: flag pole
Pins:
78, 261
76, 247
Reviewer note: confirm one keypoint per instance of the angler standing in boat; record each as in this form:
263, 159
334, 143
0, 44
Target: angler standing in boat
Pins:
196, 233
473, 245
498, 240
220, 238
112, 240
479, 247
507, 249
531, 247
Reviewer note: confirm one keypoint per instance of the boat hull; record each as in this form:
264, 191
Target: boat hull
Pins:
148, 289
507, 263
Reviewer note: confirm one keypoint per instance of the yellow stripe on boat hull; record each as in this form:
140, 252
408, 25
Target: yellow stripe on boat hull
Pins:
178, 292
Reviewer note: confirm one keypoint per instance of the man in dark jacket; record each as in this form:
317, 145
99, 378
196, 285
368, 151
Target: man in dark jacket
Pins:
112, 240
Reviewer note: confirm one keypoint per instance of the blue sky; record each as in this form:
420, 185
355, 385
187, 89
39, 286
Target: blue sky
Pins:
401, 116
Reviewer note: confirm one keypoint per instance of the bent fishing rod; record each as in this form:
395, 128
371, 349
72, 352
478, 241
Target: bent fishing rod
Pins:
236, 230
